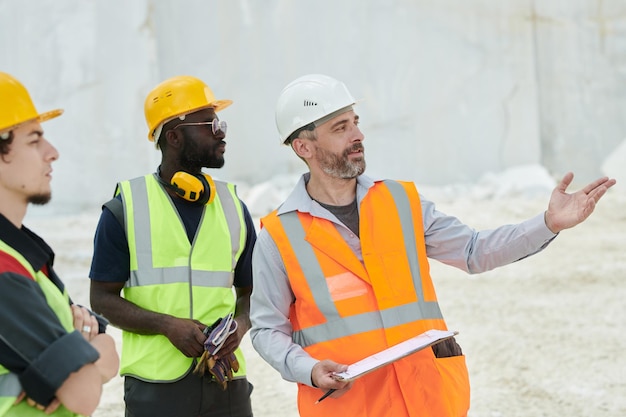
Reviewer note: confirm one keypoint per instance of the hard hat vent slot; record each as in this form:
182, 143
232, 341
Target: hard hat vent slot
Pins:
308, 103
157, 98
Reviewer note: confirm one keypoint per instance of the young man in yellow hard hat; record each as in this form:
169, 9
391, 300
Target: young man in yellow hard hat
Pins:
54, 356
341, 267
177, 243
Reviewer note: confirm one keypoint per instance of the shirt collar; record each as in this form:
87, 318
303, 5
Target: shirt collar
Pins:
300, 200
28, 244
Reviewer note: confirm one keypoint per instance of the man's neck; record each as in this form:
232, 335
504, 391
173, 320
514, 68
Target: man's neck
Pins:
332, 191
12, 210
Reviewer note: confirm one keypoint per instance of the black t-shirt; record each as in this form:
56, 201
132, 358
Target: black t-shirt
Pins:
348, 215
111, 258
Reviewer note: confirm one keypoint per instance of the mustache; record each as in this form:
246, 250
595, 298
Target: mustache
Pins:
354, 148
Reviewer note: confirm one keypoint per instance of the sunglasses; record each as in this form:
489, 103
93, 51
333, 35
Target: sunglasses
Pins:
216, 125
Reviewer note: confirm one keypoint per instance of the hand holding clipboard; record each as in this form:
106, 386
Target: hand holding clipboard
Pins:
391, 354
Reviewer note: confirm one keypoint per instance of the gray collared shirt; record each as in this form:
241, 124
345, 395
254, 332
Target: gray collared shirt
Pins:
447, 240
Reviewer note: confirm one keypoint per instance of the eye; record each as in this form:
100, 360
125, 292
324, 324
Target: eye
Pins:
35, 138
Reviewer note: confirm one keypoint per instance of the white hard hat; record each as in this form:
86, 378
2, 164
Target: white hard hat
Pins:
310, 99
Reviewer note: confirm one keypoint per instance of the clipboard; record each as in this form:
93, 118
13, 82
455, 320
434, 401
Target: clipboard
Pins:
393, 353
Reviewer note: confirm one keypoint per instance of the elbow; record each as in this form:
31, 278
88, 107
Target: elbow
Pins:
81, 391
97, 304
253, 332
109, 362
86, 404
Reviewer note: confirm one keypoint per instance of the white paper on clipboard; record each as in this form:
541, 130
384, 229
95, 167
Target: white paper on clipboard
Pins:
394, 353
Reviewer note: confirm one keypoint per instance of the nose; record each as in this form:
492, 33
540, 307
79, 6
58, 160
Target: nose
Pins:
219, 135
52, 154
357, 134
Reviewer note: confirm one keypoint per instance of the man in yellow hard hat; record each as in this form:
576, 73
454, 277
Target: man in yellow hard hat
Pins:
54, 354
176, 242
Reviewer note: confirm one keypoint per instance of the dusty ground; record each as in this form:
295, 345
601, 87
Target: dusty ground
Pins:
543, 337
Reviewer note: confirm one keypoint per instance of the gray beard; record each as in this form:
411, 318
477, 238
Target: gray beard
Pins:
339, 166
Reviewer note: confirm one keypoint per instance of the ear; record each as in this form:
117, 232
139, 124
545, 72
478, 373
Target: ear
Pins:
302, 147
174, 138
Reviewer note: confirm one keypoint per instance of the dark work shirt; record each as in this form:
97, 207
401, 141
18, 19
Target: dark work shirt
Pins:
33, 342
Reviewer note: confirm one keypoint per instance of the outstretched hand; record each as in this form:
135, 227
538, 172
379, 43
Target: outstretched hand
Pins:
567, 210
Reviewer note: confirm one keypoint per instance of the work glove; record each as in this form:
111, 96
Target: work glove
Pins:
447, 348
222, 369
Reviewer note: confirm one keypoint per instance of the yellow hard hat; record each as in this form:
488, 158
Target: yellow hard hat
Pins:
16, 106
178, 96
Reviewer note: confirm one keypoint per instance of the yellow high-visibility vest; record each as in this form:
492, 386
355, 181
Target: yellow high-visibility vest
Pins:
10, 386
173, 276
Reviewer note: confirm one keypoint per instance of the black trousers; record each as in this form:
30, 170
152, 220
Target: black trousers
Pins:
192, 396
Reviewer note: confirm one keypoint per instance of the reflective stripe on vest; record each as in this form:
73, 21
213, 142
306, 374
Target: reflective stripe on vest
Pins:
337, 327
10, 388
58, 301
173, 276
151, 275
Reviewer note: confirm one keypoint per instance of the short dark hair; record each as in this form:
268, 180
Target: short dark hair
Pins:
310, 127
5, 144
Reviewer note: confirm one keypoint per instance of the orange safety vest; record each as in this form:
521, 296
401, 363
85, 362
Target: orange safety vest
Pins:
346, 310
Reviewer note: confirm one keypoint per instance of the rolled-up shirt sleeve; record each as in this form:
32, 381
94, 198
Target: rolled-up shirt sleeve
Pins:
269, 313
33, 343
454, 243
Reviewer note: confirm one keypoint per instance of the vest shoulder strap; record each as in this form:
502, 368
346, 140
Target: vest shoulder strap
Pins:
9, 263
117, 208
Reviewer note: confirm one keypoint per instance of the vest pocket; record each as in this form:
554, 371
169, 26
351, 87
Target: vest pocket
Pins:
346, 286
455, 379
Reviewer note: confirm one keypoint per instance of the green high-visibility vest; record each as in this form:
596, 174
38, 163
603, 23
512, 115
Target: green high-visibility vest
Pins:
173, 276
10, 386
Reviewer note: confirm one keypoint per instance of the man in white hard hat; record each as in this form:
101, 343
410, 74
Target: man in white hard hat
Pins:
52, 352
341, 268
178, 245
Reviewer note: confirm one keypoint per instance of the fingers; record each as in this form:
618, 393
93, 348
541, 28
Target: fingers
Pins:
193, 346
20, 398
230, 345
52, 407
84, 322
322, 374
597, 194
201, 326
92, 327
565, 182
187, 337
340, 391
600, 182
595, 189
32, 403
